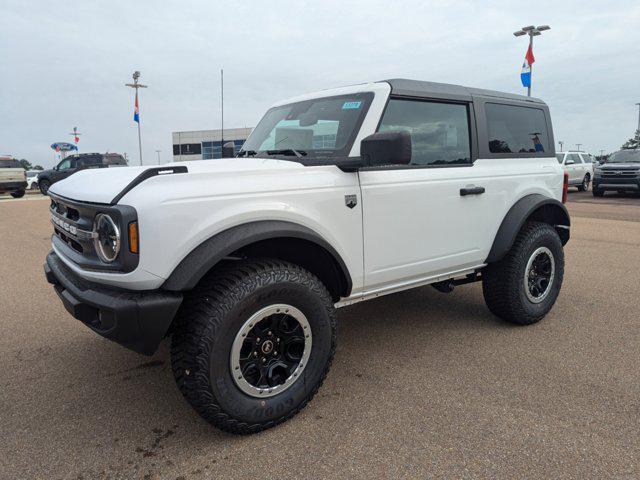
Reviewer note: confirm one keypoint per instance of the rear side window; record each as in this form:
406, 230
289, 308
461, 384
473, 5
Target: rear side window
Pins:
10, 164
514, 129
439, 131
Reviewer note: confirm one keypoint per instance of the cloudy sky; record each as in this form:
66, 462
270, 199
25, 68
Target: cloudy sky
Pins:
64, 64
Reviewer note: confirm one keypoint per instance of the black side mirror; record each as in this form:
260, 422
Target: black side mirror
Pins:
386, 148
228, 150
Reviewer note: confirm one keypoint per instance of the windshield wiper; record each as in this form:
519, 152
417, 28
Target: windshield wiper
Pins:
287, 151
248, 153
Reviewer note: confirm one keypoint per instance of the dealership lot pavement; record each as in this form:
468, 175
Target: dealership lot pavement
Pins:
423, 384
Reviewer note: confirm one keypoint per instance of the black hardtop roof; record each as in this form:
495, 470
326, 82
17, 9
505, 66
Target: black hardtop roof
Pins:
418, 88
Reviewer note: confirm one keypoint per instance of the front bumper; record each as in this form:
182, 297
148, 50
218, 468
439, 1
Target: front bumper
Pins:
12, 186
136, 320
609, 183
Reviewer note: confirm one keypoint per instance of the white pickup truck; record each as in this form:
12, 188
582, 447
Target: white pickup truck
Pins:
336, 197
13, 178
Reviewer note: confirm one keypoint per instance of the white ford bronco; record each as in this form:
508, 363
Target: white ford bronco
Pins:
336, 197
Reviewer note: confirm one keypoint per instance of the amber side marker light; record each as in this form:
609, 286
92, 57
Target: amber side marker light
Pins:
133, 238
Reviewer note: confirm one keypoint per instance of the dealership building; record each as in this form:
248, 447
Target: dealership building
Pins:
206, 144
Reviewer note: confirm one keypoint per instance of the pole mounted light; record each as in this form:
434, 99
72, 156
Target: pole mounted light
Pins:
136, 85
532, 31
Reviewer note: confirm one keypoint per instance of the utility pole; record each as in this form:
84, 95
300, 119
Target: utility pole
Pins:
638, 116
532, 32
136, 114
601, 152
578, 145
561, 144
158, 152
75, 134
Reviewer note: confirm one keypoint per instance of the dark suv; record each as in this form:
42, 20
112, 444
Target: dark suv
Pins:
74, 163
621, 173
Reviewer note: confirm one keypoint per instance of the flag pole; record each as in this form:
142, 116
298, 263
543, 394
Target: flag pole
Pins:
136, 118
530, 68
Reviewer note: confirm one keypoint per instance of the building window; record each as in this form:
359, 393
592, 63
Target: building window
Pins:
187, 149
212, 150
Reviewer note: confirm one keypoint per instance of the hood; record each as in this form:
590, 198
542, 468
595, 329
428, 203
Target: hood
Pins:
620, 166
104, 184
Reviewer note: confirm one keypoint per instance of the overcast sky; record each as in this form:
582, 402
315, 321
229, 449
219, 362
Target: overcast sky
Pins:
64, 64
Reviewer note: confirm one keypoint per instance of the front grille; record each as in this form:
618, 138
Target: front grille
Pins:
620, 174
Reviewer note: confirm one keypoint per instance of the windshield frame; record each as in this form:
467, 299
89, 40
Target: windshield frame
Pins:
324, 156
633, 153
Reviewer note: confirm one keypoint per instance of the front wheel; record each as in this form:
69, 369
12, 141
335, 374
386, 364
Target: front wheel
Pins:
17, 194
253, 343
523, 286
44, 186
584, 186
597, 192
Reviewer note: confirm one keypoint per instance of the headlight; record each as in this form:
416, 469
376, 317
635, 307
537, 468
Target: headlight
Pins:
107, 240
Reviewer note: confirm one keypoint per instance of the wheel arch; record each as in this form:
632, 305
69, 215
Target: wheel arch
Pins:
267, 238
534, 207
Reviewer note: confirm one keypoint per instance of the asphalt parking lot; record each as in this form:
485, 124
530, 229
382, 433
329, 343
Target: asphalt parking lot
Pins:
423, 385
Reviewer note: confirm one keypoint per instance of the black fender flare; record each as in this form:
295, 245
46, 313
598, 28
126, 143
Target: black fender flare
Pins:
535, 207
206, 255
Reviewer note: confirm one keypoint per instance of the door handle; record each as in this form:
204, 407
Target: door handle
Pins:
471, 191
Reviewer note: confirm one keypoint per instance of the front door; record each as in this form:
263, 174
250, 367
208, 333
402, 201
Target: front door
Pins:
432, 216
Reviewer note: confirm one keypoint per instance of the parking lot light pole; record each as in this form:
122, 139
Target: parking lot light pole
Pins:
532, 31
561, 144
638, 116
158, 152
578, 145
136, 86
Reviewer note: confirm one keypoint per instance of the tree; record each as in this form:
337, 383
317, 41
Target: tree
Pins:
38, 167
26, 164
633, 142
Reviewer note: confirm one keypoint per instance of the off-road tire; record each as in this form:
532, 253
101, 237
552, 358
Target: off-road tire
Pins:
503, 283
17, 194
209, 320
44, 185
584, 186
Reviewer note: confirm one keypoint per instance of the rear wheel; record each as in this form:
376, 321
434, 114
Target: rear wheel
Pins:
522, 287
44, 186
17, 194
253, 343
584, 186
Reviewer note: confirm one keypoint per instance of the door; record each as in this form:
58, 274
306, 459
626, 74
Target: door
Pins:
430, 217
573, 163
65, 168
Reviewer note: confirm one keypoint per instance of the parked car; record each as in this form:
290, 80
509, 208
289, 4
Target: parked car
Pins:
13, 179
620, 173
75, 163
336, 197
579, 166
32, 179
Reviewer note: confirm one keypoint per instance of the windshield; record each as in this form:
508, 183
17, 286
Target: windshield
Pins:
320, 127
625, 156
560, 157
10, 164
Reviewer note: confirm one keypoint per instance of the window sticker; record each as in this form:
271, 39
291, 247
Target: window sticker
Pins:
351, 105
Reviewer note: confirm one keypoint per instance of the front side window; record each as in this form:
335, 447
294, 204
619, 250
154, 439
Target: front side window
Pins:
321, 127
439, 131
514, 129
575, 158
64, 165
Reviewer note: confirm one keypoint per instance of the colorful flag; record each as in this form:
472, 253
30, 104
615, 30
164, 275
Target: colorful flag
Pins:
525, 75
136, 114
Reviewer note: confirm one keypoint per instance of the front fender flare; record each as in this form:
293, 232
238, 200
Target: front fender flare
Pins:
206, 255
535, 207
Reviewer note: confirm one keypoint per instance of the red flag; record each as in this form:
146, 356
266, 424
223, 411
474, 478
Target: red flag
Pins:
529, 56
76, 139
